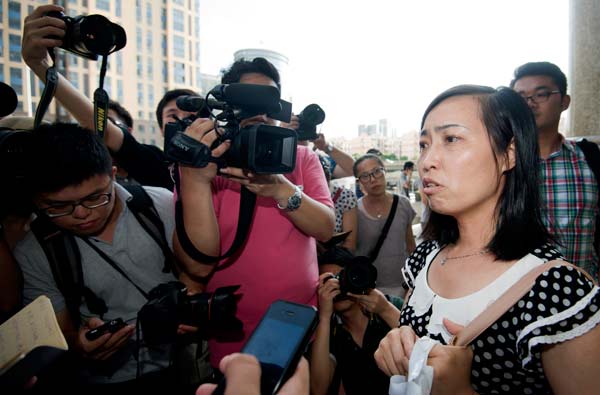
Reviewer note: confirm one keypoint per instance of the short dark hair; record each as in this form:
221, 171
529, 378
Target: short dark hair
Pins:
167, 97
121, 112
507, 118
374, 151
364, 158
65, 154
256, 65
408, 165
336, 255
542, 68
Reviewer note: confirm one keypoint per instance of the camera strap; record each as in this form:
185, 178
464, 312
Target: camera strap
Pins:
385, 230
48, 93
101, 102
246, 212
114, 265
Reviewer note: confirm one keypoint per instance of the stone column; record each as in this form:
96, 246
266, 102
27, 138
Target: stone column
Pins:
584, 78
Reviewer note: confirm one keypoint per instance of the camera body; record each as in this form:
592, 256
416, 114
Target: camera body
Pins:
169, 305
260, 148
90, 36
358, 276
308, 119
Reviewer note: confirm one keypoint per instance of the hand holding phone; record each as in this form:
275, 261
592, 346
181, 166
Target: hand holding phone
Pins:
111, 326
278, 343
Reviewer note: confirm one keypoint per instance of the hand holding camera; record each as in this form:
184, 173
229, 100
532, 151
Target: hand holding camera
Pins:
41, 32
328, 290
108, 337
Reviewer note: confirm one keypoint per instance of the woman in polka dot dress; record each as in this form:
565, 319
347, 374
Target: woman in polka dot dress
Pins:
479, 156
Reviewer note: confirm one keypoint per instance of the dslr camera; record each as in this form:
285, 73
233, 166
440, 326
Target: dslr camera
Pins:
309, 118
169, 305
358, 276
90, 36
262, 149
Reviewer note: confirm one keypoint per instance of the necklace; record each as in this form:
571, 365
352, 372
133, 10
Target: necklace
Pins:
447, 258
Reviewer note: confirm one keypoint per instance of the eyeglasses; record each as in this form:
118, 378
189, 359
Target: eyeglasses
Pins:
120, 124
376, 173
67, 208
540, 97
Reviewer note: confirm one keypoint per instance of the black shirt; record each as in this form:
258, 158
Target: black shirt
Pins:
147, 164
356, 366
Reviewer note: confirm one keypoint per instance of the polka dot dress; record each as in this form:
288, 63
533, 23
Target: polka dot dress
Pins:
562, 304
345, 202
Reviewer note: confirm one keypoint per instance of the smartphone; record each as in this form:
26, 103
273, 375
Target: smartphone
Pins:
278, 343
111, 326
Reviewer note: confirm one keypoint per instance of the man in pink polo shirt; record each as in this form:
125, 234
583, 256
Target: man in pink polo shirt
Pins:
278, 260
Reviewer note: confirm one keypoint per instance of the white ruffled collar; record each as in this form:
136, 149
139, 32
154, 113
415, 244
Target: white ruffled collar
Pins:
464, 309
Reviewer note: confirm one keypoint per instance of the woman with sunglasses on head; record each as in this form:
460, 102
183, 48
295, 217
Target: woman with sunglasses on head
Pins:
373, 211
478, 163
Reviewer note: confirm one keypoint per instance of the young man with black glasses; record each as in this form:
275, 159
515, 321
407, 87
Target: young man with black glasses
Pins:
74, 189
569, 188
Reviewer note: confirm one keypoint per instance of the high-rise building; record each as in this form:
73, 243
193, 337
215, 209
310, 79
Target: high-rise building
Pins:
162, 53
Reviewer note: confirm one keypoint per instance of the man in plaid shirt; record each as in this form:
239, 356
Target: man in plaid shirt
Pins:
569, 188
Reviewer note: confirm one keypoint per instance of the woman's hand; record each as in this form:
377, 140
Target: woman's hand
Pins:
275, 186
373, 302
202, 130
327, 290
394, 351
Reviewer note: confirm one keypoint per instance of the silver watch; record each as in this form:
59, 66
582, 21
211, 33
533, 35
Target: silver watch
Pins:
294, 201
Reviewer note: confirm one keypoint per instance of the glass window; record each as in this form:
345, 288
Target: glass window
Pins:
197, 52
164, 45
1, 43
197, 26
150, 96
149, 13
140, 115
178, 47
120, 91
150, 69
138, 37
165, 72
14, 43
178, 21
16, 80
86, 85
2, 72
118, 7
32, 79
73, 77
119, 61
163, 18
179, 72
72, 59
140, 94
138, 10
149, 40
139, 65
103, 5
14, 15
142, 129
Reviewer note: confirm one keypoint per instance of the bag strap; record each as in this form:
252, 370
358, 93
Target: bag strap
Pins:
142, 207
386, 229
494, 311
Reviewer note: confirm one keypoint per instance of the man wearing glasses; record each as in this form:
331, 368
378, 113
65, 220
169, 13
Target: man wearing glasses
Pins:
74, 188
569, 188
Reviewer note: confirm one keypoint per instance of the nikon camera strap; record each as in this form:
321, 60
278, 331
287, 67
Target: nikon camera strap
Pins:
246, 212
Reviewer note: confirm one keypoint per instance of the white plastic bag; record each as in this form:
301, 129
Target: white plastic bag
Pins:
420, 376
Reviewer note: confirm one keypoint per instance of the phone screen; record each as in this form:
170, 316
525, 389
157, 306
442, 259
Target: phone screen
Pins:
279, 340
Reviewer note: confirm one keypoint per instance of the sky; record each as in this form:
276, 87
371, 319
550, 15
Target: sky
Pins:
367, 60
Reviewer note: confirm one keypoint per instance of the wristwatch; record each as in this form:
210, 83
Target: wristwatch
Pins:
329, 148
294, 201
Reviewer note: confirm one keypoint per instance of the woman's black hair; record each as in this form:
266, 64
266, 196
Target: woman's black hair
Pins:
364, 158
519, 228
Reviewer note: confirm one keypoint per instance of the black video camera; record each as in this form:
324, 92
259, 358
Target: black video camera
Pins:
309, 118
90, 36
169, 305
262, 149
358, 276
